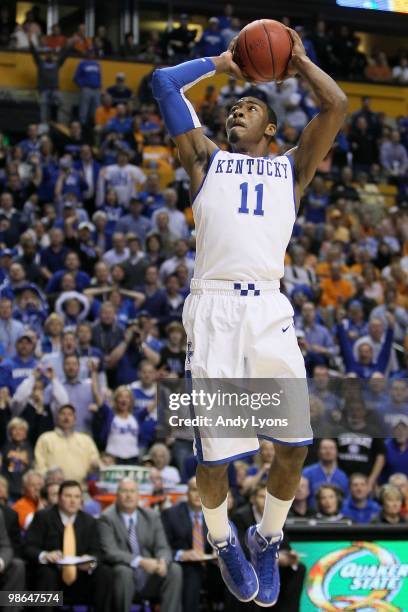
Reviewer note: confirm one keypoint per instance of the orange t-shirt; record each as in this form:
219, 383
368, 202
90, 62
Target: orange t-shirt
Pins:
24, 507
333, 290
103, 115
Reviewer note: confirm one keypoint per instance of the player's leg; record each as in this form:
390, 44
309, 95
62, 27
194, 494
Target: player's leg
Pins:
213, 326
274, 354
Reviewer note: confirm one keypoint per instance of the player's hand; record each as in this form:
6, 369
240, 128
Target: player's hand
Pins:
225, 63
298, 50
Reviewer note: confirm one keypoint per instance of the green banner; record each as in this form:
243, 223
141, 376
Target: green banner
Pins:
358, 575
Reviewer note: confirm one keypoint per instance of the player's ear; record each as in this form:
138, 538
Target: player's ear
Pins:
270, 130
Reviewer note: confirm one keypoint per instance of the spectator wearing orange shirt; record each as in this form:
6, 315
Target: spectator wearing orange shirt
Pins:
106, 111
334, 254
56, 40
28, 504
82, 42
335, 288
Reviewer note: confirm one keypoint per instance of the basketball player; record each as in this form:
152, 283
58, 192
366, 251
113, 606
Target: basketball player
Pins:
237, 322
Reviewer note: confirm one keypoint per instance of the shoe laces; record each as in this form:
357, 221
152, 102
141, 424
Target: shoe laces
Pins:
233, 561
266, 563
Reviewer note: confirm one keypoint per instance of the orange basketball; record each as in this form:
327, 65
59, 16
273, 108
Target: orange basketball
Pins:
263, 50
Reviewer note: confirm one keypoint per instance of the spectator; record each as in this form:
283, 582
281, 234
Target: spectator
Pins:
180, 257
394, 156
358, 505
378, 69
130, 48
24, 361
56, 40
106, 45
363, 145
396, 451
65, 531
328, 504
48, 79
28, 504
326, 471
173, 355
116, 429
17, 455
71, 450
134, 544
119, 92
12, 574
10, 519
177, 221
160, 457
83, 394
105, 112
121, 123
318, 341
359, 442
72, 265
391, 501
123, 177
211, 42
336, 289
10, 328
135, 266
119, 253
180, 41
400, 71
378, 337
88, 78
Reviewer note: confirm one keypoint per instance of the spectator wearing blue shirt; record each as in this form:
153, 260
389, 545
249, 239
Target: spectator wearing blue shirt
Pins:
120, 92
10, 328
319, 342
364, 366
113, 210
70, 180
31, 144
88, 169
72, 265
52, 257
23, 362
358, 505
396, 408
88, 78
355, 325
122, 123
316, 201
211, 42
326, 470
134, 222
396, 451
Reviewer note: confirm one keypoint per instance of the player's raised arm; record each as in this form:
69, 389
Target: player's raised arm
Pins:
169, 86
318, 136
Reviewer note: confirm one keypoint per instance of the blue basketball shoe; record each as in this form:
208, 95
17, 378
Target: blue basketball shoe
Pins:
264, 557
238, 574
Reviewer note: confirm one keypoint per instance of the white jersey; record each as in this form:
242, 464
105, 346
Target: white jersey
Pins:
244, 214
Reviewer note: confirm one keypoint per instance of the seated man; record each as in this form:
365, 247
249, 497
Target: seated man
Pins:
134, 543
29, 502
292, 572
12, 569
187, 535
358, 505
65, 530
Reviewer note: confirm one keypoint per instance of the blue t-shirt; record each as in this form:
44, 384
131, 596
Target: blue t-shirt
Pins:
317, 477
361, 515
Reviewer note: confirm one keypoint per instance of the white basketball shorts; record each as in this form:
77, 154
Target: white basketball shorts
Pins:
240, 330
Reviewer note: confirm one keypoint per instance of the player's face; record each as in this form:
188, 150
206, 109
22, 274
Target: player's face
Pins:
248, 122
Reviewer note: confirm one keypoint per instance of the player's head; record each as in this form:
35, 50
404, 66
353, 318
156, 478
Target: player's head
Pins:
250, 121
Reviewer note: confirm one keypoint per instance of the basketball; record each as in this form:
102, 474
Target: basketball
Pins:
263, 50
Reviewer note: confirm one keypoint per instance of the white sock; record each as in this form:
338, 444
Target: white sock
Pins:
274, 516
217, 522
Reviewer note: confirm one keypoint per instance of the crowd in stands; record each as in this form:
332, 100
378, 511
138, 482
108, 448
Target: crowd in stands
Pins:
336, 48
97, 252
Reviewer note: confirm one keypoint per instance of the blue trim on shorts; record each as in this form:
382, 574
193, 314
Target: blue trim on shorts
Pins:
303, 443
227, 459
213, 154
292, 164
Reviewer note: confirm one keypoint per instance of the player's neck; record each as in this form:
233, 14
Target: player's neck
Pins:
256, 150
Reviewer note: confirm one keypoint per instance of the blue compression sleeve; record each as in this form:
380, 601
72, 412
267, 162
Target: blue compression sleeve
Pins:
169, 85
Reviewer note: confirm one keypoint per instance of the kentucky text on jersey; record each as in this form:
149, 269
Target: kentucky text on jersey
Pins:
266, 167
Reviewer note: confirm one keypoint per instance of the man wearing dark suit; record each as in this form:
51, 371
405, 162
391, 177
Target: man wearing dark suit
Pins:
12, 570
13, 529
292, 572
65, 530
134, 543
187, 535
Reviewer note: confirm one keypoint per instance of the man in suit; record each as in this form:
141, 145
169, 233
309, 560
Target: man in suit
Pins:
12, 570
292, 572
134, 543
187, 535
65, 530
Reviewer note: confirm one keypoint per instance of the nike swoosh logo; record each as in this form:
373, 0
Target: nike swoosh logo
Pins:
285, 329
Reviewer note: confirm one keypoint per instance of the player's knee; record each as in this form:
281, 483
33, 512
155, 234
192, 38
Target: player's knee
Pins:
211, 473
291, 456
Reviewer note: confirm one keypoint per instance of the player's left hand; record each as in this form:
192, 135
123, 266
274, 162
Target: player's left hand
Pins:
298, 50
225, 63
